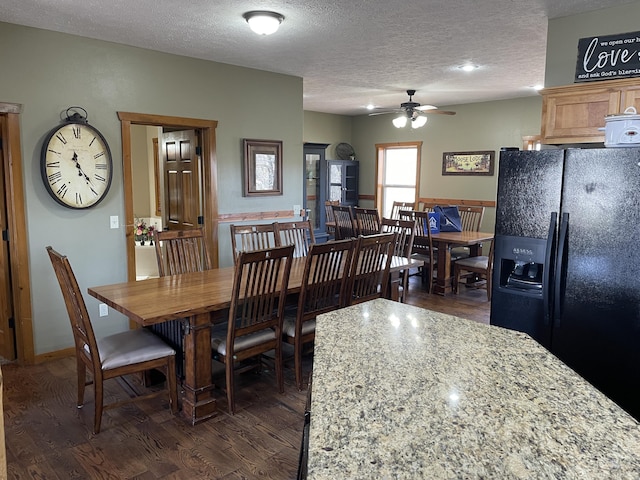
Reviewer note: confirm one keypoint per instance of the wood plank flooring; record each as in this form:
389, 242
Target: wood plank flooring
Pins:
47, 437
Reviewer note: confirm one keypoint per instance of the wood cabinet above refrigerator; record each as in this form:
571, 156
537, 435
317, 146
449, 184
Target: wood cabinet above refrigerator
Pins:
575, 113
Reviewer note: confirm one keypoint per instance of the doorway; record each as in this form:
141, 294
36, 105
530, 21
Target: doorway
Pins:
207, 130
17, 326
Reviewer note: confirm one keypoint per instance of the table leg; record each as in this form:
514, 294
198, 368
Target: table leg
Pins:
395, 278
443, 270
198, 403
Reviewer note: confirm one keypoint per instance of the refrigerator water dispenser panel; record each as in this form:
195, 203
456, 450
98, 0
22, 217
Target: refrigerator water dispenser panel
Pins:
520, 264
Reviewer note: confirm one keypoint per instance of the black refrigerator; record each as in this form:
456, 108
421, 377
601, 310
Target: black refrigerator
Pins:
567, 260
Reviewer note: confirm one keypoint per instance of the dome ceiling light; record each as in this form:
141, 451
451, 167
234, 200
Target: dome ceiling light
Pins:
263, 22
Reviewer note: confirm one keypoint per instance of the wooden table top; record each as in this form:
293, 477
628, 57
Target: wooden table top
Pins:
462, 238
156, 300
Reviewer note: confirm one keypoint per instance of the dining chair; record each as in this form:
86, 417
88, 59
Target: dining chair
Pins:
427, 206
367, 221
481, 265
323, 289
177, 252
248, 238
422, 244
330, 221
405, 231
471, 219
345, 222
256, 314
369, 274
181, 251
298, 233
397, 206
117, 355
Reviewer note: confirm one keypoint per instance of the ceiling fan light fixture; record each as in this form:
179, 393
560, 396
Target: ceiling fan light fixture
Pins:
263, 22
418, 121
400, 121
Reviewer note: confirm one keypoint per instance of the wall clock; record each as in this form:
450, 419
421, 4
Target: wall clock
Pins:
76, 162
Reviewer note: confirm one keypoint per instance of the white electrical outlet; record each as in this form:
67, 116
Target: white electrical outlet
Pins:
296, 210
113, 221
104, 310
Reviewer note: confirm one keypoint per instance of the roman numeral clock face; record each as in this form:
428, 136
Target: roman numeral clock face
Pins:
76, 165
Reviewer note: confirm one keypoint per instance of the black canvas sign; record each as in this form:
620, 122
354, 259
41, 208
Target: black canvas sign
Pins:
608, 57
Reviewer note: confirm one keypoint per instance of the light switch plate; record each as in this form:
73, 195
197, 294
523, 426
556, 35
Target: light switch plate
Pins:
296, 210
104, 310
113, 221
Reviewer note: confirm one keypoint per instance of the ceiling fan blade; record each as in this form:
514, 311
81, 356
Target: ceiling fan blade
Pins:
422, 108
440, 112
384, 113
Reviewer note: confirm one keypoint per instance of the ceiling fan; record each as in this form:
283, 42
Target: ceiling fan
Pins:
412, 111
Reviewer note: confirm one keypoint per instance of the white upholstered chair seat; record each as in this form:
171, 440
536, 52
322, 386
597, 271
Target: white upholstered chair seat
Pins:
289, 327
129, 347
480, 261
219, 344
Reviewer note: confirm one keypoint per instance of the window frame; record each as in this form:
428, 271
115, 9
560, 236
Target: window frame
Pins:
381, 150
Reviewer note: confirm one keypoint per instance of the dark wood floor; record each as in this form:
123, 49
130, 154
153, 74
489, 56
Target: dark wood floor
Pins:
48, 438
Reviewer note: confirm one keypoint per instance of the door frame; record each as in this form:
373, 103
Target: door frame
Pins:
17, 234
209, 180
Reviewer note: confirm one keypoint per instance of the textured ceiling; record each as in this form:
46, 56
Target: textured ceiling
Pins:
349, 52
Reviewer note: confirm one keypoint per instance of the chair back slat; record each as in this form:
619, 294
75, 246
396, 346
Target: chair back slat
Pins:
259, 291
83, 335
397, 206
422, 243
367, 221
248, 238
345, 224
369, 276
181, 251
324, 279
471, 218
330, 221
405, 231
299, 234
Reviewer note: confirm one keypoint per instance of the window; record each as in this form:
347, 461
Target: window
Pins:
398, 174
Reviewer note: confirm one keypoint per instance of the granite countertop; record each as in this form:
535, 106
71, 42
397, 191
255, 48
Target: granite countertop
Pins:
401, 392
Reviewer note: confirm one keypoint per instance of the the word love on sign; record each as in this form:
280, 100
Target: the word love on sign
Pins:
608, 57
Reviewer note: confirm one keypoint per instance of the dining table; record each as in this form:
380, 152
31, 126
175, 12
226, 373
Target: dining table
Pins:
199, 300
444, 242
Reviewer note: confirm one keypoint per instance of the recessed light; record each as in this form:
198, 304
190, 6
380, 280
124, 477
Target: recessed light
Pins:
538, 87
468, 67
370, 106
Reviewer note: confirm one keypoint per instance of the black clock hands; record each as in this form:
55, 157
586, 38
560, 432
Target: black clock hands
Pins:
80, 171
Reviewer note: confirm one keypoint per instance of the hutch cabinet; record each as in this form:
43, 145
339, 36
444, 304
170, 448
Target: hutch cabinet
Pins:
343, 181
326, 180
314, 190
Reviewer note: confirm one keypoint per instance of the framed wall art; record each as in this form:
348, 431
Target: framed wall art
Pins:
468, 163
262, 167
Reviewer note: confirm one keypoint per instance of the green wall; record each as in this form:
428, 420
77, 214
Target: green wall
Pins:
48, 72
327, 128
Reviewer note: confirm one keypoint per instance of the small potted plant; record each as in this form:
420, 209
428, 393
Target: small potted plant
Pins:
140, 230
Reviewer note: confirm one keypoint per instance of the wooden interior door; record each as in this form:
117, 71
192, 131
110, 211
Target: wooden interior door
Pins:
182, 201
7, 329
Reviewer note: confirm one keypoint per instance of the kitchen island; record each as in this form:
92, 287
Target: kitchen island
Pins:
400, 392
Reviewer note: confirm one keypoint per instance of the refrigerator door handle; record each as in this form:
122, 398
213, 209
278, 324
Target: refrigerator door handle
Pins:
546, 292
560, 267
